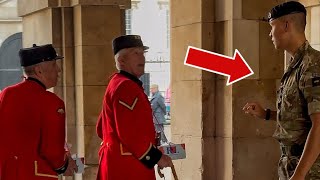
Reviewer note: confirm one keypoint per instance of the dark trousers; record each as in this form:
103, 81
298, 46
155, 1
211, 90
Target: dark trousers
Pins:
159, 128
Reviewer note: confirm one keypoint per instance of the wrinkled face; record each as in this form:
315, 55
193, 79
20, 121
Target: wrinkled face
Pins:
134, 61
50, 72
278, 33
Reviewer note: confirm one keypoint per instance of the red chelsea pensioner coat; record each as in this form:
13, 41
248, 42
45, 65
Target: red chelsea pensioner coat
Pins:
32, 132
125, 125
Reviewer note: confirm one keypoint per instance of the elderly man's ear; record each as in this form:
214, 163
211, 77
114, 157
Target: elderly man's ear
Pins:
37, 70
122, 61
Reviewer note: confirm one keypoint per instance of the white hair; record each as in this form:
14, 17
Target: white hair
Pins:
121, 53
29, 70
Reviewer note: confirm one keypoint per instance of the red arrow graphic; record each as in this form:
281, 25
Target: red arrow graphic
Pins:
235, 68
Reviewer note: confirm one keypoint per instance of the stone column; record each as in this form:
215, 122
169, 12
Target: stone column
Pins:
252, 140
222, 142
193, 90
68, 75
313, 22
95, 25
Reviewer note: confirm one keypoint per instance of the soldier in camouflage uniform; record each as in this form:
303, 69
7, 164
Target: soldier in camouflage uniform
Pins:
298, 98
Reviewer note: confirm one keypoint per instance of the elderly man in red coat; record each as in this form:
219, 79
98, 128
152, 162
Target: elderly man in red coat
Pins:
32, 121
125, 124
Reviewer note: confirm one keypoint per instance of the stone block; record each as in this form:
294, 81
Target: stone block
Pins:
248, 164
67, 27
244, 91
56, 27
99, 31
58, 90
308, 25
209, 77
35, 21
50, 33
198, 11
308, 3
8, 13
207, 11
91, 145
253, 9
187, 117
89, 103
60, 65
93, 97
207, 40
68, 64
124, 4
179, 47
223, 38
223, 109
8, 29
93, 65
246, 40
271, 62
209, 160
317, 47
315, 25
26, 7
70, 104
80, 140
179, 17
223, 10
223, 158
79, 107
237, 9
90, 173
208, 108
64, 3
71, 136
190, 168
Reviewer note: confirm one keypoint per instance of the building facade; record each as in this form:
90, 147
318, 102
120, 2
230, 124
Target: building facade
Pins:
10, 22
10, 43
222, 143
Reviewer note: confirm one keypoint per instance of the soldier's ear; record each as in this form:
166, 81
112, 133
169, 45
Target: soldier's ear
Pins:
286, 28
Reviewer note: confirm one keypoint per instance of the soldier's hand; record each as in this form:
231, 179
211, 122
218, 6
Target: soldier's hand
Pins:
254, 109
165, 161
72, 167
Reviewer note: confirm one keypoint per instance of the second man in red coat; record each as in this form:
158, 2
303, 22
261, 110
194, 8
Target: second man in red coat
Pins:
125, 124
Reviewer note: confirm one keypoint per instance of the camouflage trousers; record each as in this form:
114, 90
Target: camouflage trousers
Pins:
289, 160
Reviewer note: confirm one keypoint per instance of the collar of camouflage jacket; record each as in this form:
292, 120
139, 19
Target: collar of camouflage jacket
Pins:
296, 60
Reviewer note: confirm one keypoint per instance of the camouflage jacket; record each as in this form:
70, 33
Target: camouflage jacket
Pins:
297, 98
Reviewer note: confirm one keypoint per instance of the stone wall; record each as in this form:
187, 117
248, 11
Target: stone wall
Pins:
193, 91
10, 23
214, 128
221, 141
